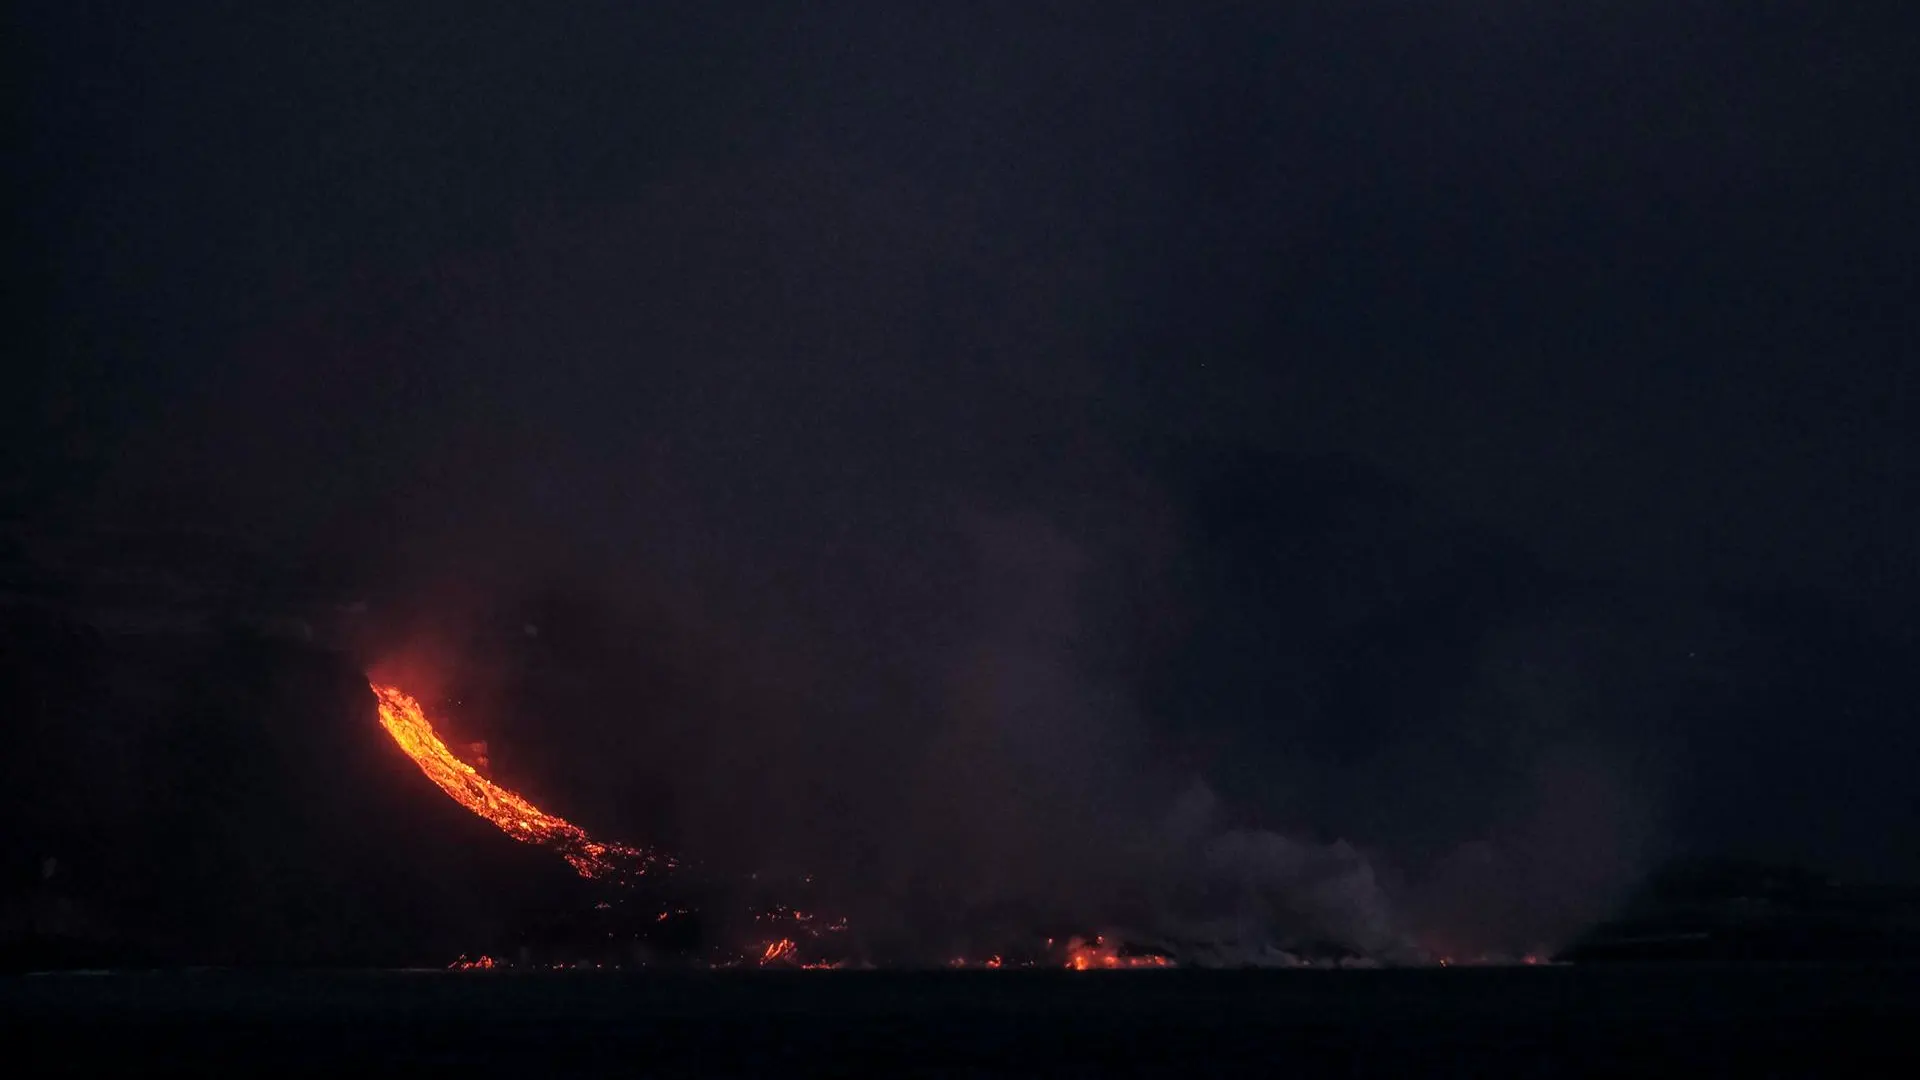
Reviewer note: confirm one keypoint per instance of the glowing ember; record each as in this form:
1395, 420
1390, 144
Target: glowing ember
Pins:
1100, 954
483, 963
776, 950
993, 963
403, 718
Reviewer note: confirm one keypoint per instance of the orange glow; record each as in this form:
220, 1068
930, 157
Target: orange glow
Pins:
403, 718
1102, 955
484, 963
776, 950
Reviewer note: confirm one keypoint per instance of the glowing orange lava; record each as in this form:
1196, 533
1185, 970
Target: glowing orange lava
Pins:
1100, 954
403, 718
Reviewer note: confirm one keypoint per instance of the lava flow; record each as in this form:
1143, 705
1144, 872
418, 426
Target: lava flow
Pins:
404, 719
1099, 954
512, 814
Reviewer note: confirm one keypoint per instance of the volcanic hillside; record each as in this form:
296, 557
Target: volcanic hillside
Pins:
226, 797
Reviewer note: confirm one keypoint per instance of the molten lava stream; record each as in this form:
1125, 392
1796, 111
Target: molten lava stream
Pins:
403, 718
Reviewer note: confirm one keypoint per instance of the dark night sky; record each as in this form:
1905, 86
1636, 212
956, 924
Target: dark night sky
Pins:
1316, 396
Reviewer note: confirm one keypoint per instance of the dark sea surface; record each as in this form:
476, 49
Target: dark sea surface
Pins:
1731, 1021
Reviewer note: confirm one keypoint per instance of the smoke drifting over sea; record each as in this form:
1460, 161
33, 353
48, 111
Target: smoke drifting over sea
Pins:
668, 501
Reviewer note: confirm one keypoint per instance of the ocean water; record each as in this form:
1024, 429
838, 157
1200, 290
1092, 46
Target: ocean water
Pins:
1559, 1021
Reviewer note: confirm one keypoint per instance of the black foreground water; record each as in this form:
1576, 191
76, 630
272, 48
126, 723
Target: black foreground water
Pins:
1786, 1021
